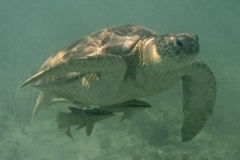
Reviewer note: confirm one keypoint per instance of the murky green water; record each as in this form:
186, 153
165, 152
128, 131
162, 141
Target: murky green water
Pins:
30, 31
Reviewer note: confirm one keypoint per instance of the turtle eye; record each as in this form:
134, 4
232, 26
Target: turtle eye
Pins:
179, 43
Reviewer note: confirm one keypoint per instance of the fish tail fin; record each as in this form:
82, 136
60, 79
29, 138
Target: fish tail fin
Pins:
63, 124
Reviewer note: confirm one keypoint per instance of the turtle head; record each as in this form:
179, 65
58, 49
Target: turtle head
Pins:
177, 48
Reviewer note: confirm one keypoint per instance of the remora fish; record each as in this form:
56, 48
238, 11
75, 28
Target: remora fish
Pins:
81, 118
127, 108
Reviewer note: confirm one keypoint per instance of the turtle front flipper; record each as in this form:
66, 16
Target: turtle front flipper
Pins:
199, 94
90, 64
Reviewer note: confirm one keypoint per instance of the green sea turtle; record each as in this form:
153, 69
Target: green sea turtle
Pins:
124, 63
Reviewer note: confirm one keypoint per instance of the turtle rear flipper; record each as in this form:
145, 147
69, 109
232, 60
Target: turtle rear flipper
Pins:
199, 94
45, 100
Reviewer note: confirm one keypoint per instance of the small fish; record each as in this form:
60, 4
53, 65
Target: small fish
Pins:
127, 108
81, 118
